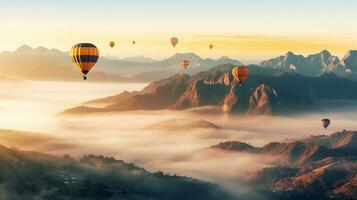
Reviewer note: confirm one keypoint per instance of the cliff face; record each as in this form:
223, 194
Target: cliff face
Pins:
263, 100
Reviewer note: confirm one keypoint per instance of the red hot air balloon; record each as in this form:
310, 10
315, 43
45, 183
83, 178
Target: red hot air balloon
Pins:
240, 73
185, 63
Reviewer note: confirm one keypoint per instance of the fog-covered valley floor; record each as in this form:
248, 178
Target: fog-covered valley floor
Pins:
172, 141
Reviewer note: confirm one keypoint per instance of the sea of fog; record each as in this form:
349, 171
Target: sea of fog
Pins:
34, 106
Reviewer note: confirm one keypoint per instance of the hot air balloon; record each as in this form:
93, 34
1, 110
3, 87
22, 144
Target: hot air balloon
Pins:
240, 73
185, 63
111, 44
174, 41
84, 56
211, 46
133, 42
325, 123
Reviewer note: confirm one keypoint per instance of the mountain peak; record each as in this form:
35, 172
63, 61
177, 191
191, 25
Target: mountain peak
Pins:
41, 49
224, 58
23, 49
289, 53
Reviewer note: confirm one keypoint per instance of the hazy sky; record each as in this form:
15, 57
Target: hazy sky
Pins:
246, 30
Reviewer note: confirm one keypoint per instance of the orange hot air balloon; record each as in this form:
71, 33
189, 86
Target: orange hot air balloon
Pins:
240, 73
84, 56
185, 63
174, 41
111, 44
211, 46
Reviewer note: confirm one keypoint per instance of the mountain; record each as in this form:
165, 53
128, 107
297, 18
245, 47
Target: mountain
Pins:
350, 60
139, 59
315, 64
266, 91
51, 64
318, 167
300, 152
46, 64
31, 175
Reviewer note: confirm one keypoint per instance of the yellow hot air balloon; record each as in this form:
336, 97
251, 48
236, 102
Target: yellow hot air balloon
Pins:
211, 46
174, 41
185, 63
111, 44
84, 56
240, 73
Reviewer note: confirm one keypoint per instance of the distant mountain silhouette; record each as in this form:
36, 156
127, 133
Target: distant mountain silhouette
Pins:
46, 64
139, 59
318, 167
315, 64
51, 64
31, 175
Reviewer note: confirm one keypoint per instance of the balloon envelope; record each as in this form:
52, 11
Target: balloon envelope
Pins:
174, 41
84, 56
240, 73
111, 44
185, 63
325, 123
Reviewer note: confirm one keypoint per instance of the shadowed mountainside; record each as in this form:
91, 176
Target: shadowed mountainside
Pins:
266, 91
31, 175
318, 167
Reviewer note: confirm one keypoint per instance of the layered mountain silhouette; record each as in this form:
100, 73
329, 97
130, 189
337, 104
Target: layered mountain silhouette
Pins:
318, 167
51, 64
267, 91
31, 175
315, 64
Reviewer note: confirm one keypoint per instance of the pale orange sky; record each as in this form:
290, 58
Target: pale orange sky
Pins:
248, 31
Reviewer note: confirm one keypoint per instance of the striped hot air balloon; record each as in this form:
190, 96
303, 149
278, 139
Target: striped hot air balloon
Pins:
84, 56
240, 73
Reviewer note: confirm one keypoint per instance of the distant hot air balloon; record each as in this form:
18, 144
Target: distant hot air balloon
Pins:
111, 44
133, 42
211, 46
240, 73
174, 41
185, 63
325, 123
84, 56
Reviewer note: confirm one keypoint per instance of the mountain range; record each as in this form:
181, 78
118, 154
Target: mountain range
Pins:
317, 167
32, 175
315, 64
266, 91
51, 64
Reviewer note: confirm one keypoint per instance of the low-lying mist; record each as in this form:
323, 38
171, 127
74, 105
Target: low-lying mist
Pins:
172, 141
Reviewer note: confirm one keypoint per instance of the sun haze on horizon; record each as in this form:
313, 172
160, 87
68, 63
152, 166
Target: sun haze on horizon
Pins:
252, 31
